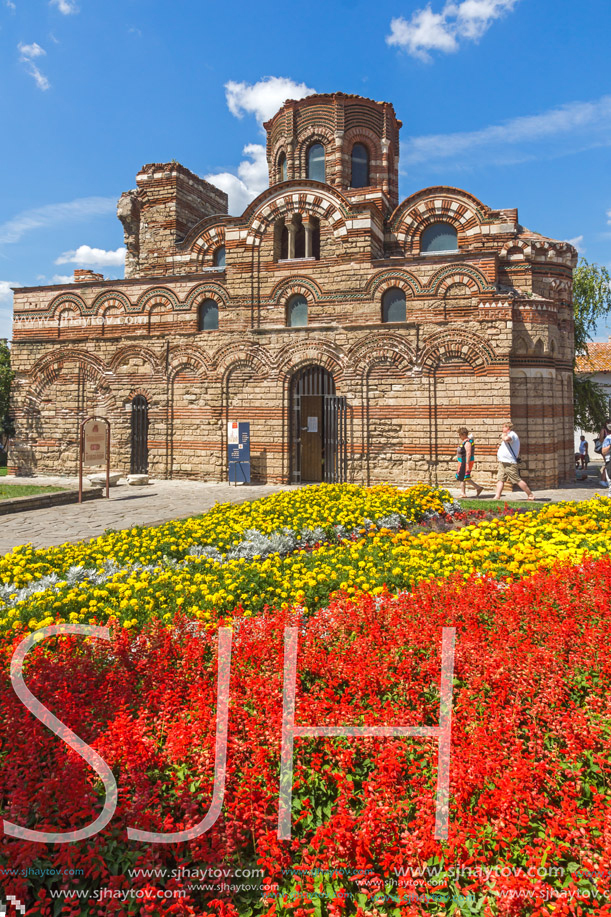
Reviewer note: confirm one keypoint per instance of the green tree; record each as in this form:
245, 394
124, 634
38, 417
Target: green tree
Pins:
591, 303
7, 428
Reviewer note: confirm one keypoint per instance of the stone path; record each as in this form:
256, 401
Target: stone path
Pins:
165, 500
158, 502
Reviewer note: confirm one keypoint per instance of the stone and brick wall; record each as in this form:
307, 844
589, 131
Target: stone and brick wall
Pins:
488, 330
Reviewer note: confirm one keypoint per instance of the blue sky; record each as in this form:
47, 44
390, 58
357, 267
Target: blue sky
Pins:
509, 99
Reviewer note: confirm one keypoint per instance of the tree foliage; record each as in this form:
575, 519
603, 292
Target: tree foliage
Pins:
591, 303
7, 428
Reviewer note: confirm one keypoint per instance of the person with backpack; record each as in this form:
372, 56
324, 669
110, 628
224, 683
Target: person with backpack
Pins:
508, 456
465, 456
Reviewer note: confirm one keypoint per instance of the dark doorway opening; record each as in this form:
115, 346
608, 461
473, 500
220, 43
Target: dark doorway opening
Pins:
139, 463
318, 428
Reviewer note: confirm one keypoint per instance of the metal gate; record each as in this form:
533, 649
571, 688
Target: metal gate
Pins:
336, 450
139, 436
318, 428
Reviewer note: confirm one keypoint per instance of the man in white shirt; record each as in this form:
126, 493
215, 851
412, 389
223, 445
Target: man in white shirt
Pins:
507, 455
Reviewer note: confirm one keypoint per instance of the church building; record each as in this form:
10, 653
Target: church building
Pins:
355, 333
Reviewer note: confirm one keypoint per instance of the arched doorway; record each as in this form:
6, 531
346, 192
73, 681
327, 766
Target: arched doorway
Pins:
318, 428
139, 463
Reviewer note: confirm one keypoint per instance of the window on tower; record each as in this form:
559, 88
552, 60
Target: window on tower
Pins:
316, 162
359, 177
282, 167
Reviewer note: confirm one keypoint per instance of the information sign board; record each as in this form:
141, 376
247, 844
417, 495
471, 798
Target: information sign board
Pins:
94, 443
238, 452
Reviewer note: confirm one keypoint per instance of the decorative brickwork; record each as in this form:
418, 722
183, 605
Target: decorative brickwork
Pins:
487, 332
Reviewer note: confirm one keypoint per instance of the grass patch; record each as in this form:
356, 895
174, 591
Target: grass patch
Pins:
10, 491
3, 470
499, 504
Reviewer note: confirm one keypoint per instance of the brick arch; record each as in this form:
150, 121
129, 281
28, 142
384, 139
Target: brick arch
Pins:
48, 369
207, 291
206, 244
383, 281
136, 350
291, 285
139, 390
66, 299
159, 295
181, 356
117, 299
470, 276
295, 356
317, 200
521, 244
386, 348
280, 146
444, 346
370, 140
315, 133
437, 205
251, 355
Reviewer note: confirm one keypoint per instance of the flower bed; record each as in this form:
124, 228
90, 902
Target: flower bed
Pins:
324, 507
364, 560
530, 755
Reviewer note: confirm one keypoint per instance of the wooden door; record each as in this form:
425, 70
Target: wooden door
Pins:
312, 438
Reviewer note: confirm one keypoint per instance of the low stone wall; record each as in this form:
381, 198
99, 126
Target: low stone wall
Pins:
43, 501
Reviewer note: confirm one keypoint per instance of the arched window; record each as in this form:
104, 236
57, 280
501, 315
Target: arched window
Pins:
297, 311
218, 259
360, 166
393, 305
316, 162
282, 167
208, 316
439, 237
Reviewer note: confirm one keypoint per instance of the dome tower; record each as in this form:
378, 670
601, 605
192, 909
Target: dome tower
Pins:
345, 141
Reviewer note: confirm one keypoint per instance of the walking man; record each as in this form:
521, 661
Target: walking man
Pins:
507, 455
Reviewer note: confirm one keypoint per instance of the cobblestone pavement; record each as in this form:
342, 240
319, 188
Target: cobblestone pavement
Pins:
163, 500
149, 505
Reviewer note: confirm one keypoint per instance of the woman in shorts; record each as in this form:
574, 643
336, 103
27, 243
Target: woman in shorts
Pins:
465, 456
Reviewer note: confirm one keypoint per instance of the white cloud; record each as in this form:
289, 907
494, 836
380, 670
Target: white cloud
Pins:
571, 127
429, 31
65, 6
39, 78
62, 278
577, 243
609, 216
252, 178
264, 98
6, 293
51, 215
29, 52
90, 257
10, 4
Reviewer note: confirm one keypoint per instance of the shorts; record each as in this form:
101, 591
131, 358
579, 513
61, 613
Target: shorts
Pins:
509, 473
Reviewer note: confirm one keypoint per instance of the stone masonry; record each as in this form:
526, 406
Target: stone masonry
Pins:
487, 333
